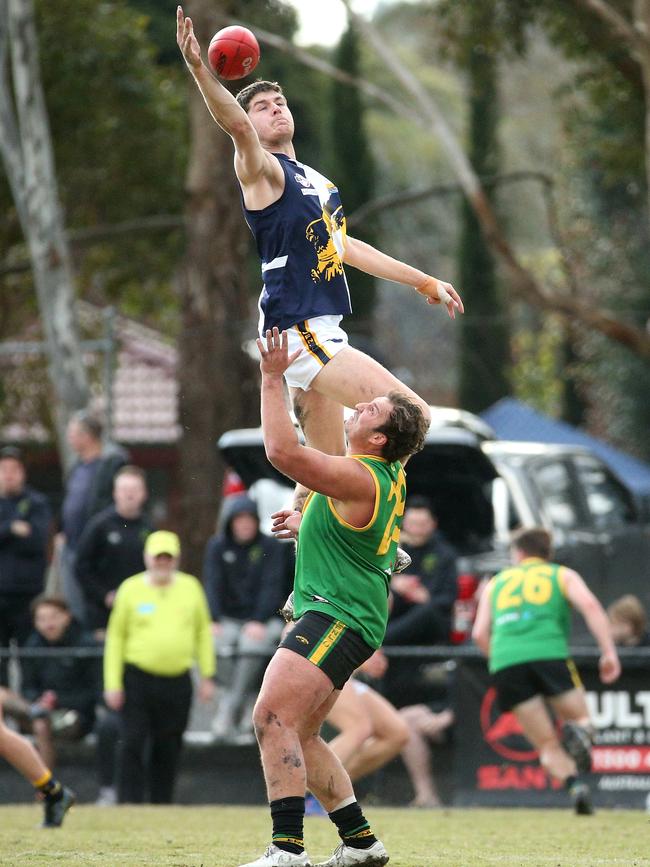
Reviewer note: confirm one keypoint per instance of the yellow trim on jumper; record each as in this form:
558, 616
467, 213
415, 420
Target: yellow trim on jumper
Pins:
342, 520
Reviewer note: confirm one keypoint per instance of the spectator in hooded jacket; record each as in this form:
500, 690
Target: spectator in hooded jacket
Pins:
24, 529
245, 575
111, 547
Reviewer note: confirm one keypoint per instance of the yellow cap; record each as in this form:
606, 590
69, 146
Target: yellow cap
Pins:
162, 542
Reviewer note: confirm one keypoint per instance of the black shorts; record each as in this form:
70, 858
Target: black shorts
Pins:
331, 645
547, 677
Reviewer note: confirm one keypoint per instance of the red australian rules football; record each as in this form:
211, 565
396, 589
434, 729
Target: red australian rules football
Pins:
233, 52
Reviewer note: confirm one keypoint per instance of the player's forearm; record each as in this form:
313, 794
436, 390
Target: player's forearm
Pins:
280, 437
367, 258
482, 641
222, 105
598, 625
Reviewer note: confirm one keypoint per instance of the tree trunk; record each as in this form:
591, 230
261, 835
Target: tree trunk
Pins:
642, 21
484, 337
28, 157
217, 381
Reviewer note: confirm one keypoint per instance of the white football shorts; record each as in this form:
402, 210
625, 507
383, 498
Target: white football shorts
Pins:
320, 338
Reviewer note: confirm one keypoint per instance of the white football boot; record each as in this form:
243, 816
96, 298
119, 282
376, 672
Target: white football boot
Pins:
348, 856
274, 857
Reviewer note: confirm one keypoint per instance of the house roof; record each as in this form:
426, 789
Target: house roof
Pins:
144, 404
145, 389
514, 420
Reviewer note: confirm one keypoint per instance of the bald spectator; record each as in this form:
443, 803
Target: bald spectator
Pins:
88, 490
24, 529
111, 547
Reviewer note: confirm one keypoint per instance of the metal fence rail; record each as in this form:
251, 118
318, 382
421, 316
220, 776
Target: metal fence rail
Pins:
438, 651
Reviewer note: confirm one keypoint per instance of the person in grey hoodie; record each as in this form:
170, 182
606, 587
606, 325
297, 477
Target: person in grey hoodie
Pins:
246, 575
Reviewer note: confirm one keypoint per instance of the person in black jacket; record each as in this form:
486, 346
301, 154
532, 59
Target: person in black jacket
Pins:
88, 490
111, 547
245, 575
24, 530
59, 693
424, 594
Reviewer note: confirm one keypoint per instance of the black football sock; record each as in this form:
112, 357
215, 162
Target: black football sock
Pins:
288, 816
353, 826
570, 781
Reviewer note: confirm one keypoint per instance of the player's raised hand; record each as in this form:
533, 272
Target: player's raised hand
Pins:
439, 292
187, 41
286, 523
275, 358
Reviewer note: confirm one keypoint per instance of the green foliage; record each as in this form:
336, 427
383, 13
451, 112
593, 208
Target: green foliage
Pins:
537, 374
352, 169
126, 155
484, 335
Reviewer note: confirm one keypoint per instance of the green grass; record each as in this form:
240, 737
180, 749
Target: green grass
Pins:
229, 836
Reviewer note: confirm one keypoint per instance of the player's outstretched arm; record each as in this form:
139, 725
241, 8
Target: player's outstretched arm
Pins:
344, 479
222, 105
581, 597
367, 258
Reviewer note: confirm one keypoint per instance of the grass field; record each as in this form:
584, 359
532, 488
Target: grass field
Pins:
229, 836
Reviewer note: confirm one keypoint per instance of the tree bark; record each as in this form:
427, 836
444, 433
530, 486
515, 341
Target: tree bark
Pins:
217, 381
642, 26
28, 157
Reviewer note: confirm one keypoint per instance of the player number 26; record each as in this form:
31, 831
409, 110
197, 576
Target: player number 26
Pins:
526, 585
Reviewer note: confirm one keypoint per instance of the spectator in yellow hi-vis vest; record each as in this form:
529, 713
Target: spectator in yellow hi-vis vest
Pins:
158, 628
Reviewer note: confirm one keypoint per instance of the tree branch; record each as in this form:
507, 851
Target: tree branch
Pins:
523, 283
619, 27
326, 68
9, 139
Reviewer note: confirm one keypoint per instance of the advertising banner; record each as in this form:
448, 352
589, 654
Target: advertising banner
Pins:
494, 764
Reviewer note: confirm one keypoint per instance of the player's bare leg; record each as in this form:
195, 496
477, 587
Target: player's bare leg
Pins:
353, 377
321, 421
292, 691
372, 731
571, 706
539, 729
327, 779
330, 782
19, 752
577, 734
424, 726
